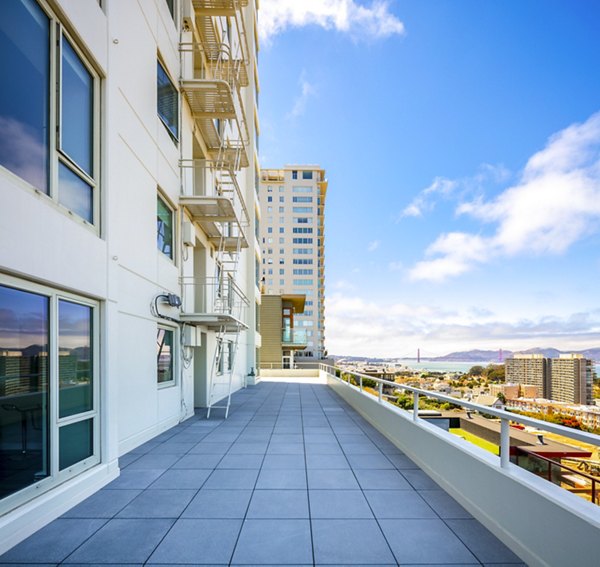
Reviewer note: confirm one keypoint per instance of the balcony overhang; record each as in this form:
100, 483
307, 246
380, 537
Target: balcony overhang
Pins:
296, 300
214, 321
230, 243
209, 98
218, 7
209, 209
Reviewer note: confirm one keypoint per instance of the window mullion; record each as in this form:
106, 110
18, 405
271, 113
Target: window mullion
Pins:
54, 384
54, 103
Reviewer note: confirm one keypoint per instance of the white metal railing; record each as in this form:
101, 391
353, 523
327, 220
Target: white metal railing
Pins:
212, 295
210, 178
504, 416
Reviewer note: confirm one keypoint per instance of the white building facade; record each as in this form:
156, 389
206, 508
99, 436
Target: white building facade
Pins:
128, 255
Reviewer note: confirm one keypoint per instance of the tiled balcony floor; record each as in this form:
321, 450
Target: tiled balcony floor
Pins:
293, 477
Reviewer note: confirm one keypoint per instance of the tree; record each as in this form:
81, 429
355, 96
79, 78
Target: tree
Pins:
476, 370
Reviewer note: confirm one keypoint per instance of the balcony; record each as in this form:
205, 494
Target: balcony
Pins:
212, 198
213, 302
295, 475
293, 338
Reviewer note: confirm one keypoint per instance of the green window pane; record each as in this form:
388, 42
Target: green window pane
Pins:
164, 228
75, 443
164, 355
75, 360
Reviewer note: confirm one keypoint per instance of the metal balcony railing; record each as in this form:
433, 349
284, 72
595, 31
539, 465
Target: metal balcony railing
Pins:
213, 301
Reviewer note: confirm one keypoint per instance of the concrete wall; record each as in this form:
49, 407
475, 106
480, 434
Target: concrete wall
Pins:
542, 523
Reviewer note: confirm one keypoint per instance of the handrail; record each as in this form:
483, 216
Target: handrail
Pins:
504, 416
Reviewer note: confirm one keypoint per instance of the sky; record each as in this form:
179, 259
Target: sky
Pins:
461, 142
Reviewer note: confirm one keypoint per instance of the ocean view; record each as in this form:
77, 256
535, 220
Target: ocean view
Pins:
452, 366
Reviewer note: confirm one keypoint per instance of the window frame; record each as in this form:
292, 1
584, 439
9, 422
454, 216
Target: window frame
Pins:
160, 196
57, 476
56, 154
175, 136
174, 359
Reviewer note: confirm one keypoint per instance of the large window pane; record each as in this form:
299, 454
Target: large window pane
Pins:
75, 443
75, 368
168, 102
164, 228
164, 355
75, 194
24, 384
77, 94
24, 94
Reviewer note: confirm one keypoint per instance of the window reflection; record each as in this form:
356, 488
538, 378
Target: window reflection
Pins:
75, 358
168, 102
164, 228
24, 386
164, 355
77, 95
24, 95
75, 193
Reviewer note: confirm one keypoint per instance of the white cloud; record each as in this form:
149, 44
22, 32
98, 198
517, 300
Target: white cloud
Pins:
356, 326
307, 90
555, 203
395, 266
374, 21
445, 188
373, 245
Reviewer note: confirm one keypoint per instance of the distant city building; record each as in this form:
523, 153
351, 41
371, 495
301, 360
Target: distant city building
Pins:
530, 369
292, 238
566, 379
587, 415
571, 378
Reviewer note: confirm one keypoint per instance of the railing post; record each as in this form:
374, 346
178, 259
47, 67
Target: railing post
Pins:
415, 406
593, 491
504, 443
360, 383
380, 392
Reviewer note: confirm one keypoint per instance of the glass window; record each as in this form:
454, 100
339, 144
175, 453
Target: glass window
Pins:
294, 174
164, 356
24, 389
25, 92
307, 175
164, 228
168, 102
76, 442
171, 6
77, 109
29, 58
75, 368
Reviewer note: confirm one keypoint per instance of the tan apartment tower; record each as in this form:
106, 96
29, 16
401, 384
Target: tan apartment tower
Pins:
292, 240
530, 369
571, 377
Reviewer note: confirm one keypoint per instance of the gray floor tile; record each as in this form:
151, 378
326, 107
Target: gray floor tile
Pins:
221, 504
326, 462
323, 449
444, 505
360, 448
278, 438
181, 479
424, 541
122, 541
210, 449
241, 462
198, 541
126, 460
103, 504
398, 504
339, 504
132, 479
54, 542
332, 479
370, 462
350, 542
232, 479
197, 461
272, 504
419, 480
282, 478
284, 462
402, 462
250, 448
320, 438
381, 479
158, 503
482, 543
153, 462
279, 542
216, 437
173, 448
286, 449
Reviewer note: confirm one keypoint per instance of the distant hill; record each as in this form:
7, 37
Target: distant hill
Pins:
492, 355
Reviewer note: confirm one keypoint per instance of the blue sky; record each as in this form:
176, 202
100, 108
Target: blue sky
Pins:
462, 146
